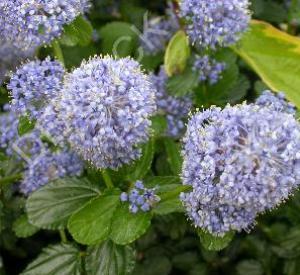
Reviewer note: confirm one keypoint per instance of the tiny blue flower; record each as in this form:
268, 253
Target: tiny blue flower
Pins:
140, 198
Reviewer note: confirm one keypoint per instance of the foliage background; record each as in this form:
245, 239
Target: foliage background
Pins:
266, 57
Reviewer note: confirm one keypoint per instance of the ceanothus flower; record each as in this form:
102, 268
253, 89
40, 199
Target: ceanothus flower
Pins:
157, 32
215, 23
140, 198
29, 145
208, 69
34, 84
36, 22
240, 162
277, 101
49, 166
10, 57
176, 109
8, 130
104, 111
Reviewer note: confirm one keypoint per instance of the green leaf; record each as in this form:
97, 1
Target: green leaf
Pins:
174, 157
168, 189
51, 206
142, 165
118, 38
127, 227
211, 242
92, 224
62, 259
25, 125
249, 267
169, 206
110, 259
181, 85
274, 56
23, 228
177, 54
79, 32
159, 125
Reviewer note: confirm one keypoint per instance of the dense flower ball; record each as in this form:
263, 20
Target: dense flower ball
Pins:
35, 22
240, 162
157, 32
215, 23
208, 69
104, 111
34, 84
49, 166
140, 198
176, 109
277, 101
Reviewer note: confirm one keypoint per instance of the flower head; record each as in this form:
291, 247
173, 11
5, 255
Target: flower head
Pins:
176, 109
49, 166
34, 84
140, 198
104, 111
215, 23
209, 69
277, 101
240, 162
36, 22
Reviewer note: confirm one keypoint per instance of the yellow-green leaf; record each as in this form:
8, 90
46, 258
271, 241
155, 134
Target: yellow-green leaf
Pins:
177, 54
275, 56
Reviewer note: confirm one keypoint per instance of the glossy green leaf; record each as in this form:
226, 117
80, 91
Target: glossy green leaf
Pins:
23, 228
214, 243
79, 32
110, 259
127, 227
51, 206
275, 56
182, 84
62, 259
177, 54
25, 125
92, 224
118, 38
141, 167
174, 157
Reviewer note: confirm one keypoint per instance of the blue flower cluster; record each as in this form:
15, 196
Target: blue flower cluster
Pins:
103, 111
49, 166
240, 161
34, 22
277, 101
34, 84
209, 69
29, 145
176, 109
140, 198
215, 23
8, 130
158, 31
10, 57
